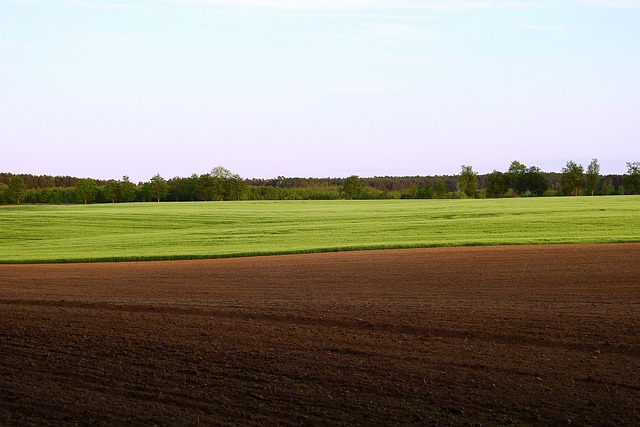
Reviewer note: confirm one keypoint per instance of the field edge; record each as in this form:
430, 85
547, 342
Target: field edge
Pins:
250, 254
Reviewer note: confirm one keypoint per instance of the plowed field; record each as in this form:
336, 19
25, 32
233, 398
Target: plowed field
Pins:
533, 335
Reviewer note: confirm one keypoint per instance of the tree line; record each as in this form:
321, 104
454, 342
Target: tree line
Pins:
220, 184
574, 180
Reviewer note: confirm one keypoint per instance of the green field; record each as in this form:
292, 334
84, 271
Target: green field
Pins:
157, 231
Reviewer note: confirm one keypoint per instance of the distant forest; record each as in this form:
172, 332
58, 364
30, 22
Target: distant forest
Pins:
221, 184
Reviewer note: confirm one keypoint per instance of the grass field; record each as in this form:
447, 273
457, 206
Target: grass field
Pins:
157, 231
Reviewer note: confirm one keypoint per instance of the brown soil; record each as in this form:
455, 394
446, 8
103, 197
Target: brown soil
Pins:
542, 335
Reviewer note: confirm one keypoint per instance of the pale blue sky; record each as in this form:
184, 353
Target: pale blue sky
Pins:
106, 88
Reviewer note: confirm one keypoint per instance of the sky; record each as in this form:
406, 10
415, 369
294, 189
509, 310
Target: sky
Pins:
316, 88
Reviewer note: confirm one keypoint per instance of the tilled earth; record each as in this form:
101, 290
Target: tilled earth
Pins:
524, 335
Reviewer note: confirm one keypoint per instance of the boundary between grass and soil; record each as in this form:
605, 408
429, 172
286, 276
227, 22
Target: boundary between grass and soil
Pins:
254, 254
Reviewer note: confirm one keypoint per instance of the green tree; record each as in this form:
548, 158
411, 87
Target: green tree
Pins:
468, 181
426, 192
205, 187
111, 190
86, 190
632, 178
535, 181
16, 190
607, 187
159, 187
227, 185
127, 190
176, 188
412, 193
236, 187
593, 176
496, 184
516, 177
191, 187
221, 172
3, 192
441, 188
144, 192
352, 188
572, 178
183, 189
221, 183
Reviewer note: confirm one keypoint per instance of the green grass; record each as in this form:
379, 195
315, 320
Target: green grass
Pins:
156, 231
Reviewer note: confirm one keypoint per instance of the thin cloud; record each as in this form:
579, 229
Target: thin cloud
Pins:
533, 27
389, 32
334, 89
382, 33
365, 4
308, 5
631, 4
75, 4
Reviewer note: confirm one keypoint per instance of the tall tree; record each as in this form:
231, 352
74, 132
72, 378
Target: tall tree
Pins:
593, 176
159, 187
220, 172
426, 192
352, 188
516, 177
607, 186
441, 188
572, 177
221, 182
236, 187
496, 185
86, 190
632, 179
205, 187
127, 190
3, 192
468, 181
175, 188
16, 190
111, 190
183, 189
535, 181
191, 186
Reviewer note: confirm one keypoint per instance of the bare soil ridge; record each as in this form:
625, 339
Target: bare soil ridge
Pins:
532, 335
